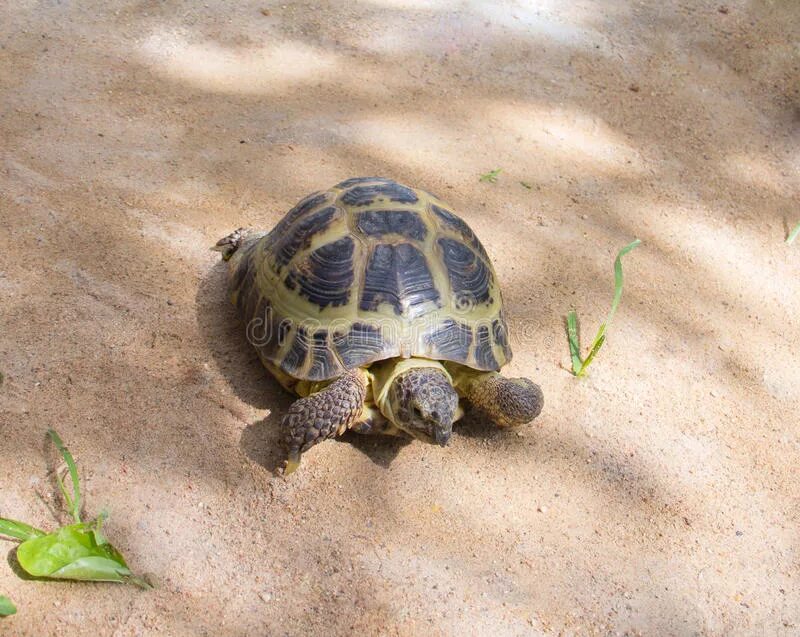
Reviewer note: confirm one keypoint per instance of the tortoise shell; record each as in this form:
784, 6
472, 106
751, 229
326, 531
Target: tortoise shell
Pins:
366, 271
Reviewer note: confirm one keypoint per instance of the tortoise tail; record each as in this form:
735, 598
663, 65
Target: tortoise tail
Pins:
230, 244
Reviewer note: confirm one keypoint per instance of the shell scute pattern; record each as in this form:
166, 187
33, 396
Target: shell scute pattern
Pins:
300, 234
325, 275
398, 275
370, 270
364, 195
380, 223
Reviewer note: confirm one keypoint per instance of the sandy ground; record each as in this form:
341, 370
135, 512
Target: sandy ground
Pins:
658, 496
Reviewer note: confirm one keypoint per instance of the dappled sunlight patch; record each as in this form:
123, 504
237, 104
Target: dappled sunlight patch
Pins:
569, 135
271, 68
412, 5
545, 20
413, 141
736, 260
177, 238
781, 378
451, 27
757, 171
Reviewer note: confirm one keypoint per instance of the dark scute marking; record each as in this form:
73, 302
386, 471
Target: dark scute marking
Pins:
454, 222
377, 223
324, 363
324, 277
483, 350
305, 205
296, 357
365, 195
298, 236
362, 180
500, 333
451, 340
362, 343
398, 275
469, 275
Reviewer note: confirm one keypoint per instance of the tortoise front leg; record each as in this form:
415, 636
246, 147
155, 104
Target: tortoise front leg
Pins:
509, 402
325, 414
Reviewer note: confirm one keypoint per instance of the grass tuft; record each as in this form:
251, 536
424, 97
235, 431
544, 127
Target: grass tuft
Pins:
579, 364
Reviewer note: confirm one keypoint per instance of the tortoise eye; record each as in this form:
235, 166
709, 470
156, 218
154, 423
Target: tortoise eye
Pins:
417, 413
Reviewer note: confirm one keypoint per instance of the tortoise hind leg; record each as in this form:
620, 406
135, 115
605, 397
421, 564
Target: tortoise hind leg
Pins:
230, 244
322, 415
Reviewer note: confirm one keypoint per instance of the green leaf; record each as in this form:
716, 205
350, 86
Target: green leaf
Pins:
73, 552
6, 606
579, 366
93, 568
74, 502
491, 176
793, 234
19, 530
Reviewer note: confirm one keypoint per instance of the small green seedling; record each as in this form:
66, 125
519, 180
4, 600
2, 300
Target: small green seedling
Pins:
6, 606
793, 234
579, 365
491, 176
78, 551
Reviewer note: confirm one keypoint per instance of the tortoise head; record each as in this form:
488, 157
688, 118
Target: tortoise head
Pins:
424, 403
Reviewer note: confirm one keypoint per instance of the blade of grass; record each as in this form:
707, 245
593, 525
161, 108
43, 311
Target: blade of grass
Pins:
19, 530
6, 606
793, 234
574, 341
618, 278
578, 366
74, 502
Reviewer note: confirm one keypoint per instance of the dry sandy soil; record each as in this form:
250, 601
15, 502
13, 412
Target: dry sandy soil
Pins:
658, 496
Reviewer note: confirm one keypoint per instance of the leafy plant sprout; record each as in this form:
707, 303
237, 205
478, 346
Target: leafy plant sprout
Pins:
579, 364
491, 176
77, 551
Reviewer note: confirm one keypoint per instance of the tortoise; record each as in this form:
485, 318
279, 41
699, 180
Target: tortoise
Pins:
379, 307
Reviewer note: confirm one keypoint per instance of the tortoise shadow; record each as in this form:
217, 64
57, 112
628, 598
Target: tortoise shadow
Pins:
261, 441
382, 450
224, 336
474, 424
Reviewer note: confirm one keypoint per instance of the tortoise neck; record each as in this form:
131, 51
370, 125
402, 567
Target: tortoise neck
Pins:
385, 372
